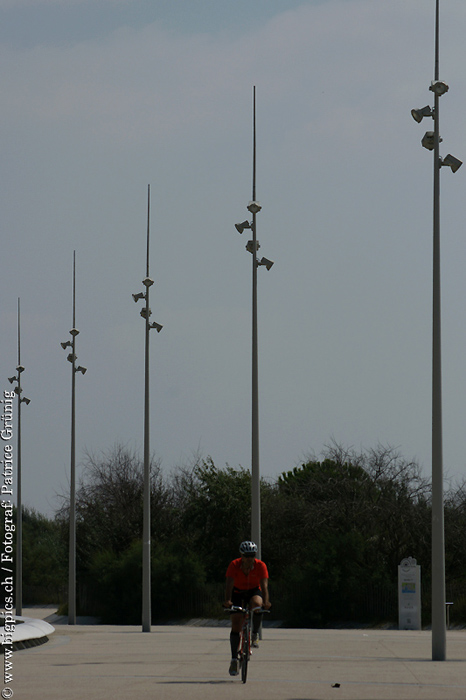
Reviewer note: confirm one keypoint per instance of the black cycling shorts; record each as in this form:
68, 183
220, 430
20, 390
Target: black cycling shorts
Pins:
242, 598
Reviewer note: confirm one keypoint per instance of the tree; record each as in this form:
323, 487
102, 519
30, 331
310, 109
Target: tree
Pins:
353, 518
109, 502
44, 558
109, 513
215, 506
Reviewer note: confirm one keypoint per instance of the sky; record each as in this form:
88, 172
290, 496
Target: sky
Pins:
101, 98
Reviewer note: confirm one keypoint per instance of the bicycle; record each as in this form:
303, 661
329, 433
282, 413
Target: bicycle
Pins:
244, 649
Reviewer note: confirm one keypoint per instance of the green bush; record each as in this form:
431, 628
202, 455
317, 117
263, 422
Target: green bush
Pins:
114, 584
177, 579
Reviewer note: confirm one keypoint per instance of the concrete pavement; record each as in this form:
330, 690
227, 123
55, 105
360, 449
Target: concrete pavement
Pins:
172, 662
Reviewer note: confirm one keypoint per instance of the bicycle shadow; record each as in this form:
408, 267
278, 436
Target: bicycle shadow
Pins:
199, 682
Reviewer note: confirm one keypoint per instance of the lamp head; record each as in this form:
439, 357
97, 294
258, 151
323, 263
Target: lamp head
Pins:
20, 368
254, 207
74, 332
268, 263
26, 401
143, 312
68, 344
454, 163
419, 114
240, 227
138, 296
12, 379
250, 246
438, 87
147, 282
81, 369
158, 327
428, 140
72, 357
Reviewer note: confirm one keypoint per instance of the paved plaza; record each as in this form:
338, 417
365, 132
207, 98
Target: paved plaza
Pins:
99, 662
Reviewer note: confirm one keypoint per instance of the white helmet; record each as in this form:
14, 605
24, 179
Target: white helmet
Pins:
248, 547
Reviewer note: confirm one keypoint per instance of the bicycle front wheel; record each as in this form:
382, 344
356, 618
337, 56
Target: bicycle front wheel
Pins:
244, 668
245, 657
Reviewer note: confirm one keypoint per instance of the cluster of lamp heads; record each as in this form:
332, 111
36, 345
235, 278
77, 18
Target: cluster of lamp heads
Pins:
18, 389
439, 88
254, 208
145, 313
72, 357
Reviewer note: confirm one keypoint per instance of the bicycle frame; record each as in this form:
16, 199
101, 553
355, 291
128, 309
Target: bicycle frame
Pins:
244, 649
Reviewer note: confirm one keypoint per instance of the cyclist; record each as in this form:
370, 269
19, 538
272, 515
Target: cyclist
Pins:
247, 581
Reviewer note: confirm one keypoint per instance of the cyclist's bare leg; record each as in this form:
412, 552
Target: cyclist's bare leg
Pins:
256, 602
236, 622
236, 625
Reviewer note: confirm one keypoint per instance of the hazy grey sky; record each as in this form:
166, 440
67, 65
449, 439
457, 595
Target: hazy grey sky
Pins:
101, 98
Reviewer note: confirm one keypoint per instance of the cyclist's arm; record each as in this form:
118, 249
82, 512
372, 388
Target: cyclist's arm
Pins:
228, 591
265, 591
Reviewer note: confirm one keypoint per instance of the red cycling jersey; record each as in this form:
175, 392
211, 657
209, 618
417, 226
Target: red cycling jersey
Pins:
245, 582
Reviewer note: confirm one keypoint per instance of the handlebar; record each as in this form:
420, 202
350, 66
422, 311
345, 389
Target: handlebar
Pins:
238, 609
235, 609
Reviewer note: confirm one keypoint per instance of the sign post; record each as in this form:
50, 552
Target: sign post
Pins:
409, 595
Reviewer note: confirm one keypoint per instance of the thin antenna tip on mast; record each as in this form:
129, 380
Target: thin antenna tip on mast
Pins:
148, 231
254, 144
437, 39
